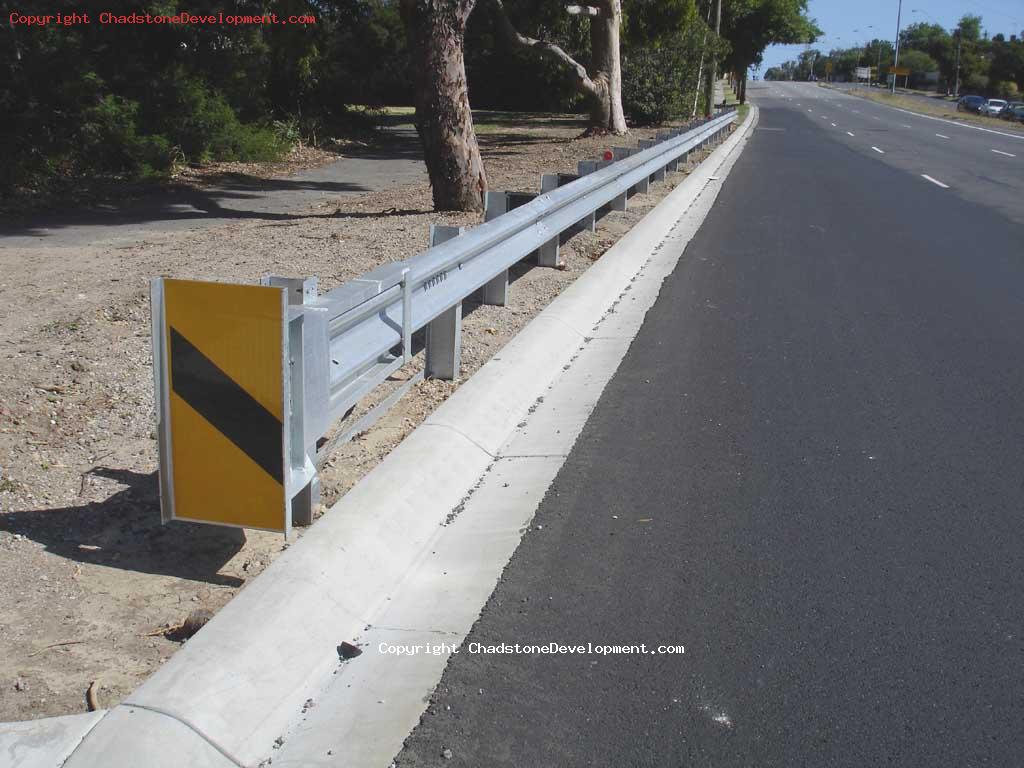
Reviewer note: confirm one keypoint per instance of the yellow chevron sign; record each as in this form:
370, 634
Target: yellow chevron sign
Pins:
219, 359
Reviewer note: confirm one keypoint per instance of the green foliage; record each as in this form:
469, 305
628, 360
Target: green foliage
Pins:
986, 67
651, 92
1007, 89
920, 64
128, 101
659, 81
108, 143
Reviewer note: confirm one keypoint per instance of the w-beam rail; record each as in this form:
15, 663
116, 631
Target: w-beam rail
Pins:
345, 343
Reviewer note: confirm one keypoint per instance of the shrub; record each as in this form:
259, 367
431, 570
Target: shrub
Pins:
1007, 89
108, 142
651, 91
200, 122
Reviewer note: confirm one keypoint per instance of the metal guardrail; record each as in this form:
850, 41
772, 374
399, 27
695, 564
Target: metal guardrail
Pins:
343, 344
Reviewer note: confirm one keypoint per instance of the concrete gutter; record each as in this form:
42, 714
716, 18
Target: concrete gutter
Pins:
240, 686
44, 743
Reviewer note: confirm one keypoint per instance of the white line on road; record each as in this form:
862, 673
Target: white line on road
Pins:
879, 151
936, 182
856, 111
961, 125
906, 126
876, 117
1000, 152
833, 125
942, 136
849, 134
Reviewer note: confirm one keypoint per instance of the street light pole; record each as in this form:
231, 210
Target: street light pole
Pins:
896, 59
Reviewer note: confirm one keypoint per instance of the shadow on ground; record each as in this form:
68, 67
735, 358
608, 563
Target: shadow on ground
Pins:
124, 531
229, 195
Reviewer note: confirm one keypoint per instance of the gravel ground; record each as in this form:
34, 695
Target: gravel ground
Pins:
92, 587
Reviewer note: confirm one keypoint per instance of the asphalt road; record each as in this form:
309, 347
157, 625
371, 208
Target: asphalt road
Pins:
808, 470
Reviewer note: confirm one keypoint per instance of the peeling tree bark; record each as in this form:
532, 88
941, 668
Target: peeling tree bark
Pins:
603, 88
436, 30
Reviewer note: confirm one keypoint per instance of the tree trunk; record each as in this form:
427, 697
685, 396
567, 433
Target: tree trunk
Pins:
606, 113
743, 89
436, 30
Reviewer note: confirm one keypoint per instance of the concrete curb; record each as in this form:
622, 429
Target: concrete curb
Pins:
241, 683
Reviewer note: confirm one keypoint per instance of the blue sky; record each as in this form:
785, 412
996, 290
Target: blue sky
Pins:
839, 18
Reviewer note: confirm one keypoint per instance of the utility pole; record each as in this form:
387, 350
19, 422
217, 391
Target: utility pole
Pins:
956, 88
896, 60
711, 64
700, 68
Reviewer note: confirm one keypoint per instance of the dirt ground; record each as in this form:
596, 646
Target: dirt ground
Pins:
90, 582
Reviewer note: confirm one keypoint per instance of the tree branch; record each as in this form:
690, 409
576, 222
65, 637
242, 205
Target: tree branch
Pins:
544, 48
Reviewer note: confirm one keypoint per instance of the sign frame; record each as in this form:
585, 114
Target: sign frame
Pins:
162, 407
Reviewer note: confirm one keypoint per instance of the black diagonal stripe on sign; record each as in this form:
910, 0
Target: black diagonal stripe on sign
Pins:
228, 407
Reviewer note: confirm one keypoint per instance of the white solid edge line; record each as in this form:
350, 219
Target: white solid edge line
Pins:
936, 182
1000, 152
879, 151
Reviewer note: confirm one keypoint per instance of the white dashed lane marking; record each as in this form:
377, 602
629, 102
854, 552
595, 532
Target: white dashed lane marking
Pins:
879, 151
1000, 152
941, 136
849, 134
936, 182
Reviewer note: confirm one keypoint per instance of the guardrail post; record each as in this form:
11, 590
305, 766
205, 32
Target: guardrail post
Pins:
444, 332
495, 204
547, 254
299, 291
658, 175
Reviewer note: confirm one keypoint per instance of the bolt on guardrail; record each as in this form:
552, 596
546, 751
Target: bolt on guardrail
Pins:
270, 404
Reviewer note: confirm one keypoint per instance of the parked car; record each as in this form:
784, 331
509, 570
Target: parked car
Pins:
970, 104
1007, 114
1014, 114
993, 107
